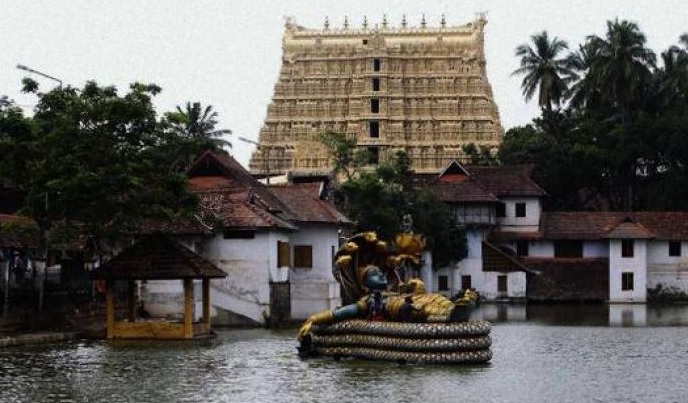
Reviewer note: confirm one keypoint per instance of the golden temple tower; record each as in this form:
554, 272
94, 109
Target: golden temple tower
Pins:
423, 89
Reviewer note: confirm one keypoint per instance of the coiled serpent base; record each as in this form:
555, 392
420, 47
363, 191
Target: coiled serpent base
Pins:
429, 343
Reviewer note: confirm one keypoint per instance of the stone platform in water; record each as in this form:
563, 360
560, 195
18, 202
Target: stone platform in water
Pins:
424, 343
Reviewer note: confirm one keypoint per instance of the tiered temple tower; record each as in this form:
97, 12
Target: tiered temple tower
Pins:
422, 89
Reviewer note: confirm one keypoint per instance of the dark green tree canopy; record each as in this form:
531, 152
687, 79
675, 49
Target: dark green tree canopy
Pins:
92, 157
617, 141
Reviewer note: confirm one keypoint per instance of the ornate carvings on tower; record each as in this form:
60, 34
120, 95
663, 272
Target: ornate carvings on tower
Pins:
423, 89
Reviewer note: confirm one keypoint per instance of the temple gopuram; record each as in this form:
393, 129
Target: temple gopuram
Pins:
419, 88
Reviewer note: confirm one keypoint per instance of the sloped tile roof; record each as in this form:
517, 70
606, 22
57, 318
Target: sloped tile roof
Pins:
599, 225
304, 200
508, 180
495, 259
229, 193
629, 230
463, 191
157, 257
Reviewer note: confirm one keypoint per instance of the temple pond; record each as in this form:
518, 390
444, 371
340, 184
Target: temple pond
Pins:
565, 353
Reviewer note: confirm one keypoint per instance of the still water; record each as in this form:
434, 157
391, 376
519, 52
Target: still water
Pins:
543, 354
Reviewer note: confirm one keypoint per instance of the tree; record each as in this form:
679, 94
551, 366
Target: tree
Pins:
92, 161
196, 127
622, 66
378, 200
543, 70
344, 155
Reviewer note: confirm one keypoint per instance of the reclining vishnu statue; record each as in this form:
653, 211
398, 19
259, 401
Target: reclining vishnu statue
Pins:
387, 312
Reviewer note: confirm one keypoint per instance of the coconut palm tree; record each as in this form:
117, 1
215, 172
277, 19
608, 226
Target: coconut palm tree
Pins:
673, 75
194, 130
199, 124
544, 70
582, 91
622, 66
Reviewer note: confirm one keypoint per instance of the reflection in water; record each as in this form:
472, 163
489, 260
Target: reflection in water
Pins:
559, 353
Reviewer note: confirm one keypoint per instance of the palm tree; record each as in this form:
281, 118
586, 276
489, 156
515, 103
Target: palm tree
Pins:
543, 70
582, 92
622, 66
199, 124
673, 75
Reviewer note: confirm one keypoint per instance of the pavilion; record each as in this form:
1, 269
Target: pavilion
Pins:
157, 257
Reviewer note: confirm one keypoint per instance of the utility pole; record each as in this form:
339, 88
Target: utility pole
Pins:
266, 157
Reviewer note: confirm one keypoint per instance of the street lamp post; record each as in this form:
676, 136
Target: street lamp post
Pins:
30, 70
267, 157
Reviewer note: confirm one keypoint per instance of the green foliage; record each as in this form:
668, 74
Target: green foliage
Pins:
618, 142
93, 157
342, 150
378, 200
195, 131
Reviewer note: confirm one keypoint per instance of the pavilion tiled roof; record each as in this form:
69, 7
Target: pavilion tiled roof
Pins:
304, 200
157, 257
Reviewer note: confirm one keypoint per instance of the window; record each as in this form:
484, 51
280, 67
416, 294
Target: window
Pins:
303, 256
374, 128
239, 234
520, 209
627, 281
522, 248
501, 210
501, 284
674, 248
377, 63
466, 282
374, 106
626, 248
365, 41
568, 249
283, 257
373, 155
443, 283
376, 84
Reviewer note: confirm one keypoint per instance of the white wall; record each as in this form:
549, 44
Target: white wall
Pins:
250, 265
530, 222
314, 289
669, 271
541, 249
636, 264
516, 285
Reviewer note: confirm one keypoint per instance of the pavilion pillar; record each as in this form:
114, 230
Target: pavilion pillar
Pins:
206, 300
110, 306
188, 308
131, 298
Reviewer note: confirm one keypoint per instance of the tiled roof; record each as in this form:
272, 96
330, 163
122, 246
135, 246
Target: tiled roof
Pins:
463, 191
598, 225
629, 230
508, 180
229, 193
495, 259
304, 200
157, 257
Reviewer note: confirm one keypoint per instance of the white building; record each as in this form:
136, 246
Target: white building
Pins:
516, 251
276, 246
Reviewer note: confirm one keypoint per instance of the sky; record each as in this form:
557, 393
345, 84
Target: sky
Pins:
227, 53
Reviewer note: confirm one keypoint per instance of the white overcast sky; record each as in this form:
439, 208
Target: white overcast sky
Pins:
227, 53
